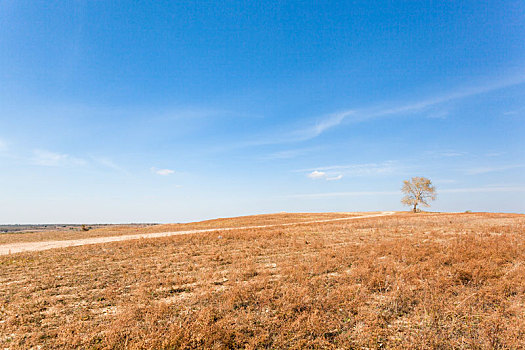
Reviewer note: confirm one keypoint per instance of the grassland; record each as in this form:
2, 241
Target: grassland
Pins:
121, 230
407, 281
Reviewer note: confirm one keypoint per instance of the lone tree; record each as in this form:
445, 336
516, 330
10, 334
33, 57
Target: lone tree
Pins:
419, 190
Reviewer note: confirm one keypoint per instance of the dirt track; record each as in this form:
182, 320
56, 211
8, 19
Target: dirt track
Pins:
37, 246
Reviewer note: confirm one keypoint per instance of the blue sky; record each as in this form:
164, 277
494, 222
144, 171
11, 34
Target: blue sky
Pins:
114, 111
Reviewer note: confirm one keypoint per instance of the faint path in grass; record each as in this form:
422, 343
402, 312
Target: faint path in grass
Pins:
13, 248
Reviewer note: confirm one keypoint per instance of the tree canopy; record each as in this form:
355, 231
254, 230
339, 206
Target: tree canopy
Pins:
418, 191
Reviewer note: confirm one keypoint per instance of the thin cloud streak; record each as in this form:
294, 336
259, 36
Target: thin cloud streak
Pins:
336, 119
290, 153
358, 169
108, 163
162, 172
344, 194
489, 169
467, 92
334, 178
446, 153
47, 158
332, 120
53, 159
302, 133
382, 193
321, 126
484, 189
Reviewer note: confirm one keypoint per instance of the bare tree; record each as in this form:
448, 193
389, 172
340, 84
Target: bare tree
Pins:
419, 190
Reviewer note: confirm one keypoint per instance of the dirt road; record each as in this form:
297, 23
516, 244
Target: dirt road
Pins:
37, 246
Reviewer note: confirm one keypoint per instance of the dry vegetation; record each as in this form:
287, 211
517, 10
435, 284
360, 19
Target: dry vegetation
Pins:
403, 281
119, 230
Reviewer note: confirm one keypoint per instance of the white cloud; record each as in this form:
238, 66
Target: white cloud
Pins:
334, 178
48, 158
366, 169
162, 172
322, 175
316, 174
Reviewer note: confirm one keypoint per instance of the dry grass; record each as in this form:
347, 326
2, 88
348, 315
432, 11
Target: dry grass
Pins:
119, 230
404, 281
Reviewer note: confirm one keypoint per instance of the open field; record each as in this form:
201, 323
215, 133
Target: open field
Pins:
44, 227
119, 230
399, 281
19, 247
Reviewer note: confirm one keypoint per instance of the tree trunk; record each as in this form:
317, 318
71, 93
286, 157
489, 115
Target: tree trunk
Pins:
415, 208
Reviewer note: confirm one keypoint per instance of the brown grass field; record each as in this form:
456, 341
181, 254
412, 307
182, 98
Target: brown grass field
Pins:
120, 230
406, 281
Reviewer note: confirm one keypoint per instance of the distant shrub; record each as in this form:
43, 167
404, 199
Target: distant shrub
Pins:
468, 211
85, 228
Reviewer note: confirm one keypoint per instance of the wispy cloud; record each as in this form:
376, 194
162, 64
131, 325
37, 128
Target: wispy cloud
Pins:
303, 132
492, 169
193, 113
344, 194
484, 189
316, 175
455, 95
334, 178
452, 154
288, 154
389, 193
494, 154
515, 112
358, 115
446, 153
443, 114
366, 169
108, 163
312, 129
443, 181
162, 172
48, 158
53, 159
320, 126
